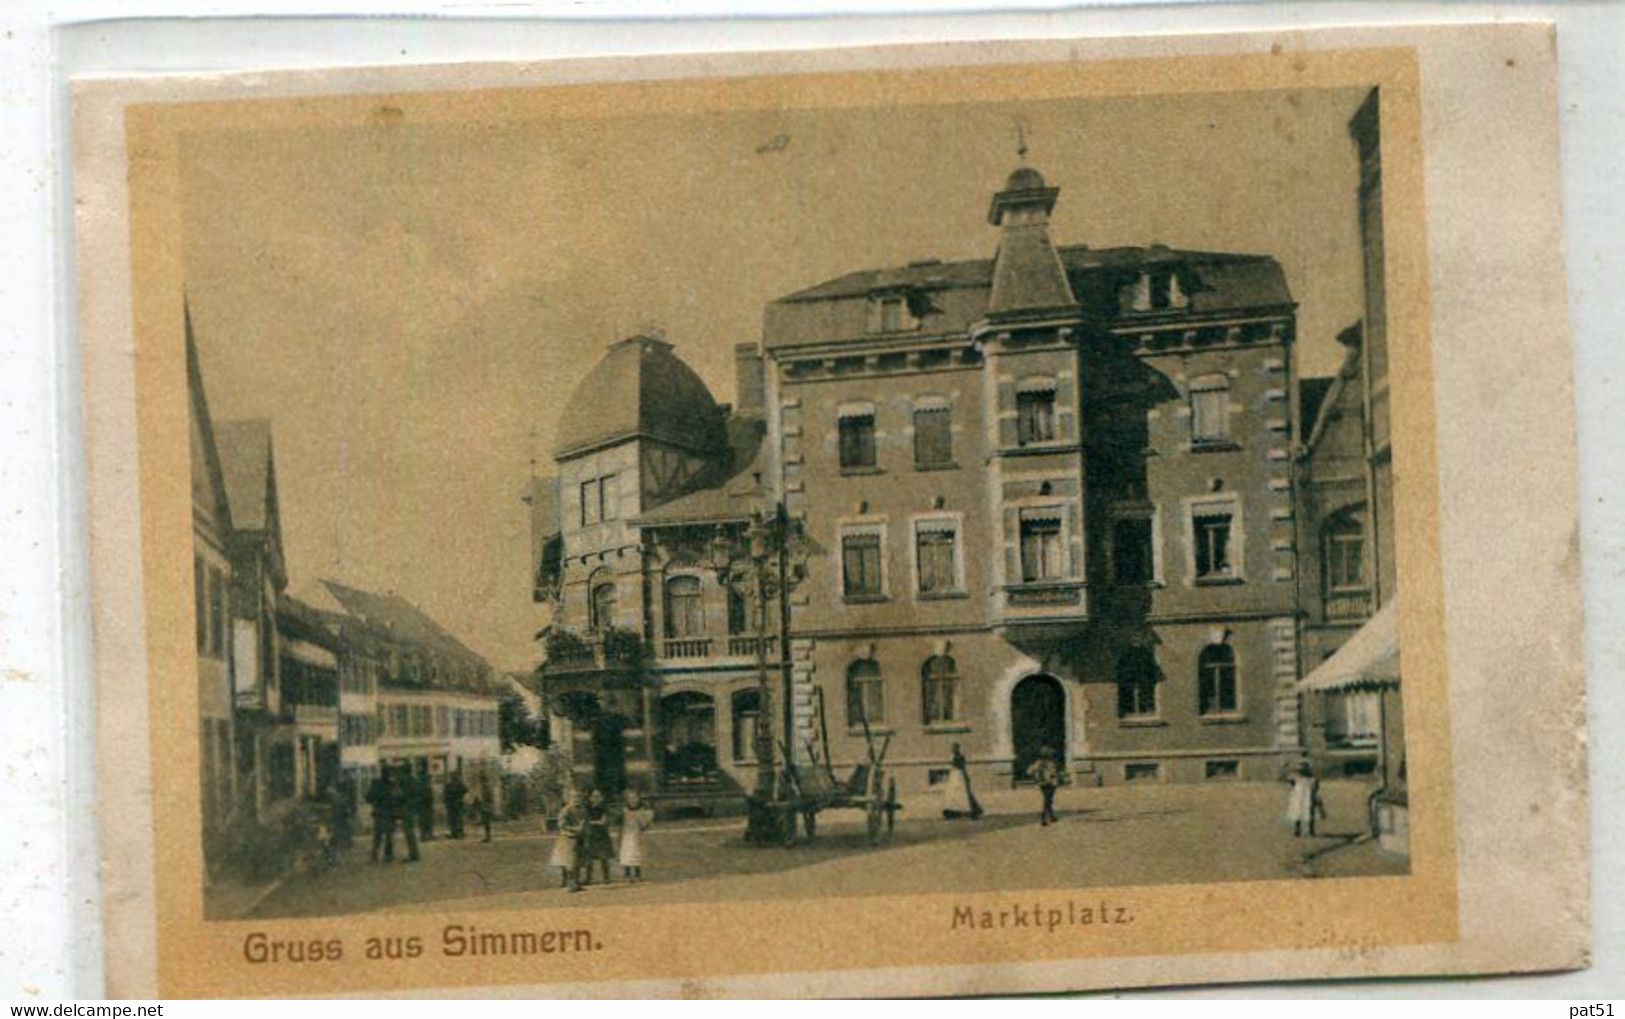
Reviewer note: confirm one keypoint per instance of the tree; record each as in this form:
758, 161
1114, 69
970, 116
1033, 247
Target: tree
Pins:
516, 726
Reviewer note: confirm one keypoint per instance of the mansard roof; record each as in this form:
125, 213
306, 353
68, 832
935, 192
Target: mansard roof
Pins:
640, 389
1215, 282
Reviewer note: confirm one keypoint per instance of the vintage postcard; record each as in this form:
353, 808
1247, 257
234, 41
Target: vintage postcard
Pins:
897, 521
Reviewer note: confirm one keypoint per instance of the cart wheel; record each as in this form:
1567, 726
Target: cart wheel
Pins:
875, 811
787, 828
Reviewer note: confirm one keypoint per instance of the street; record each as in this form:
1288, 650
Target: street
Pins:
1105, 837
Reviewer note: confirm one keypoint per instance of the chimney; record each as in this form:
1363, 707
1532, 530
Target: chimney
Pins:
752, 382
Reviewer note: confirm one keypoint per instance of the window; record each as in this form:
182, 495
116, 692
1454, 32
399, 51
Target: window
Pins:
933, 436
592, 502
1142, 771
940, 687
857, 440
739, 614
598, 500
747, 709
1133, 558
1353, 718
1042, 555
890, 313
1210, 541
1216, 680
1210, 411
1035, 414
865, 695
936, 557
685, 611
861, 565
601, 608
1137, 676
217, 612
1344, 545
201, 604
1219, 771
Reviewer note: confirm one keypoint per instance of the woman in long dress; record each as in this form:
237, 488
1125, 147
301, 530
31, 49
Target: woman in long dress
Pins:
567, 845
635, 820
957, 798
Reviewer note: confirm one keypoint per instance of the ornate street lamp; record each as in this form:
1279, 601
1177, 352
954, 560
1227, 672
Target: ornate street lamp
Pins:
762, 565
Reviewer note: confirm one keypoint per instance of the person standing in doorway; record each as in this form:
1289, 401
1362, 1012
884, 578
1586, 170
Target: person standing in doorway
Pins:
1047, 774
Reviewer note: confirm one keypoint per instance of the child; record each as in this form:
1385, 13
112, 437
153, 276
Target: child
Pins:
1303, 803
635, 820
567, 846
595, 844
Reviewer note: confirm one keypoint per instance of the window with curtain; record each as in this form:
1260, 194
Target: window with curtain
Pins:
1216, 680
933, 436
1210, 541
940, 687
1035, 415
857, 440
1344, 542
685, 609
861, 565
865, 695
1210, 412
1137, 677
936, 557
1042, 554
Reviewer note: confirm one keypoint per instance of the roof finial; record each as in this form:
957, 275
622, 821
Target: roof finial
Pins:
1021, 140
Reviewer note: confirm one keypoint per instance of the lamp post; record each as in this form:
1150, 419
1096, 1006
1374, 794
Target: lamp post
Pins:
762, 565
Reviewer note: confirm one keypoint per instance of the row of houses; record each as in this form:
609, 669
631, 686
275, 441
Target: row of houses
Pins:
301, 702
1062, 497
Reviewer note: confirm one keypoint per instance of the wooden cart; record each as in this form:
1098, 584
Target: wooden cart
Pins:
808, 791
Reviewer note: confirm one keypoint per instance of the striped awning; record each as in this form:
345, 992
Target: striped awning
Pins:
1367, 660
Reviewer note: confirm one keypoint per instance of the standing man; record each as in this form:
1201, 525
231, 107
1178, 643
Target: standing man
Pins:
454, 794
423, 803
402, 796
1048, 776
381, 797
484, 807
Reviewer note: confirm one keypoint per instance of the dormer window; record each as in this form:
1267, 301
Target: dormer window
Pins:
890, 313
1158, 290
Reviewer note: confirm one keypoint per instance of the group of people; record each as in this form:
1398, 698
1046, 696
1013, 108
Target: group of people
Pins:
400, 797
585, 838
959, 800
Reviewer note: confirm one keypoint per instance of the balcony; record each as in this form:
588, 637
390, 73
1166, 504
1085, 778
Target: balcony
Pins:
685, 647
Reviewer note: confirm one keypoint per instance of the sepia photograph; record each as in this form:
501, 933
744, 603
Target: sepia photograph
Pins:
876, 521
963, 497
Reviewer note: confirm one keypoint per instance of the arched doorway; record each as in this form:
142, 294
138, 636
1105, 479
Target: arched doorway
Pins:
1037, 720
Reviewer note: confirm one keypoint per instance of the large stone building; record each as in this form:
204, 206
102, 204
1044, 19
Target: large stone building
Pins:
1049, 498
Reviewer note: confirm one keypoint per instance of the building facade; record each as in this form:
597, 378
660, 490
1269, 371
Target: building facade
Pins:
410, 695
1352, 691
1048, 501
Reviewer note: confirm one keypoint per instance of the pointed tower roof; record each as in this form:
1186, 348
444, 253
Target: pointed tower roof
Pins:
1028, 277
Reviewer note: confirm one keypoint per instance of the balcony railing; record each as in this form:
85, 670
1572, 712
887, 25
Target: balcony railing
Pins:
686, 647
1348, 605
747, 646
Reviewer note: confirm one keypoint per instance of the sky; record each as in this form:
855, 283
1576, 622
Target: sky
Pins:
412, 302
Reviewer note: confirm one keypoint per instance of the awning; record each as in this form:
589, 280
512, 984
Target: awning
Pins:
1367, 660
